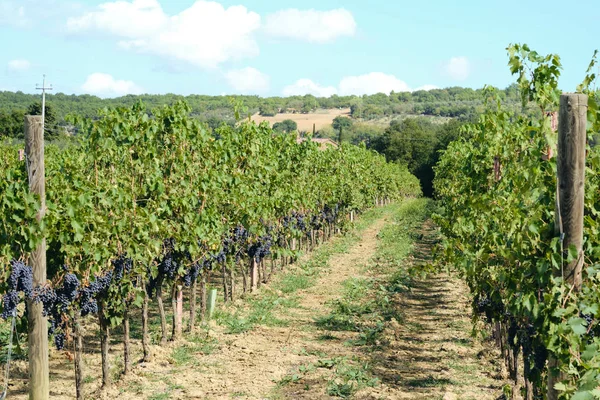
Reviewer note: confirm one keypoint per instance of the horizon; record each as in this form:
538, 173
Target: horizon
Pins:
115, 48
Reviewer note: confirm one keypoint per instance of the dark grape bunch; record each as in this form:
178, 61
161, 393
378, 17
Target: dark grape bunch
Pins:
260, 249
68, 292
592, 326
330, 214
20, 280
316, 222
59, 341
483, 304
192, 274
122, 265
300, 222
98, 288
10, 301
47, 296
234, 244
540, 355
168, 267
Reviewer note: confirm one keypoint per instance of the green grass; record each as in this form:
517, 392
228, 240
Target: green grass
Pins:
293, 282
160, 396
203, 343
182, 355
344, 378
430, 382
367, 302
350, 378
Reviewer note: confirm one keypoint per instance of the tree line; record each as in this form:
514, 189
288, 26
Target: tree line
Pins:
455, 102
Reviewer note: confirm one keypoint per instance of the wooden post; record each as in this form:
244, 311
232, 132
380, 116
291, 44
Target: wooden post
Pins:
177, 312
570, 167
38, 325
253, 274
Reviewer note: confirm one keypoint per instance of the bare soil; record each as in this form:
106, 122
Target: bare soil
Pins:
305, 122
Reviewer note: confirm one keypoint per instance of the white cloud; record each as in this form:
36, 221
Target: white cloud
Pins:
375, 82
310, 25
104, 85
306, 86
458, 68
248, 80
205, 34
18, 65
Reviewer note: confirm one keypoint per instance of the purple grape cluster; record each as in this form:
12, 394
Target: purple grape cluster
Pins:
10, 301
330, 214
68, 292
235, 243
47, 296
98, 288
316, 222
121, 265
59, 341
21, 278
168, 266
299, 222
192, 274
260, 249
540, 355
593, 328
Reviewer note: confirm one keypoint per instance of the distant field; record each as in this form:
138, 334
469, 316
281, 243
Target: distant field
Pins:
305, 122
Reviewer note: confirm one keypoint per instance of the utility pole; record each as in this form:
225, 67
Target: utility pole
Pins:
43, 88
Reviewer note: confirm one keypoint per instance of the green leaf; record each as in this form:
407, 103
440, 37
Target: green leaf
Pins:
578, 325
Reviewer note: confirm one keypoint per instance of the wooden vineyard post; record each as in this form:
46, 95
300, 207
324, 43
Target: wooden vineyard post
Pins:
177, 312
253, 274
570, 167
38, 325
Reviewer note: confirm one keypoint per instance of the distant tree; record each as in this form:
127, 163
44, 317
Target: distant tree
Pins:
296, 104
327, 132
11, 124
371, 111
404, 97
51, 129
287, 126
307, 107
341, 122
214, 122
267, 110
413, 142
36, 109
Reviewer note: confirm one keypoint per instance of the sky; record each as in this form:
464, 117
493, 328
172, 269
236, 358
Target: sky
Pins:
284, 47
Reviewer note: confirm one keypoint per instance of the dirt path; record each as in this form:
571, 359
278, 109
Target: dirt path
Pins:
432, 354
251, 364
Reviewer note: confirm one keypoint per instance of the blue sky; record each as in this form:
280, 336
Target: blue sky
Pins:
274, 48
